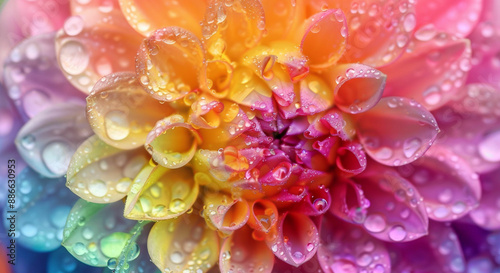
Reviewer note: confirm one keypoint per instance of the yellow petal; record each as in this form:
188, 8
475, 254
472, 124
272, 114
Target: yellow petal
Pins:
159, 193
121, 113
100, 173
184, 243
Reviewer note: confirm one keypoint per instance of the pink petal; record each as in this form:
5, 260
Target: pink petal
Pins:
233, 29
348, 201
327, 147
316, 202
436, 65
351, 159
470, 126
241, 253
446, 182
33, 78
336, 122
172, 142
396, 131
145, 17
440, 251
121, 113
347, 248
357, 87
397, 211
170, 63
48, 141
87, 47
448, 15
296, 239
323, 38
486, 215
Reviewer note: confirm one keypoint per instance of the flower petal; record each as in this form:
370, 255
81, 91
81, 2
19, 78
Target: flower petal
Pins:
159, 193
486, 215
282, 18
351, 159
295, 240
172, 143
315, 95
87, 44
396, 131
349, 202
323, 38
445, 15
100, 173
263, 215
48, 141
225, 213
475, 111
10, 121
41, 204
171, 63
440, 251
232, 29
117, 113
347, 248
94, 233
33, 78
316, 202
145, 17
448, 185
241, 253
357, 87
436, 64
183, 243
396, 212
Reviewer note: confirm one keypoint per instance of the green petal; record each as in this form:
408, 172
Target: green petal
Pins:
101, 173
96, 232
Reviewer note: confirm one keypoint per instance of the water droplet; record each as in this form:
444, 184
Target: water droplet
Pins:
32, 51
155, 191
113, 244
425, 33
145, 204
397, 233
458, 207
56, 156
432, 95
364, 259
375, 223
29, 230
158, 210
441, 212
384, 153
177, 206
489, 146
316, 28
177, 257
411, 146
98, 188
298, 256
87, 233
73, 25
79, 249
73, 57
409, 22
309, 247
143, 26
117, 125
320, 204
28, 142
123, 185
112, 263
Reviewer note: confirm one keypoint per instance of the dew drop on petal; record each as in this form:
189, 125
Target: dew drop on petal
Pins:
73, 25
489, 147
56, 156
74, 57
117, 125
177, 257
98, 188
397, 233
410, 146
375, 223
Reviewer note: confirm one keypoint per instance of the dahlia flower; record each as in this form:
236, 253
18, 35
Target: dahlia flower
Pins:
255, 135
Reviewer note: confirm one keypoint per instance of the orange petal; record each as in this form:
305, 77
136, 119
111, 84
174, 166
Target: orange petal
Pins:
183, 244
146, 16
95, 42
172, 143
357, 87
225, 213
100, 173
159, 193
219, 76
121, 113
282, 18
232, 27
205, 112
171, 63
263, 215
241, 253
323, 38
